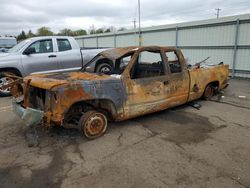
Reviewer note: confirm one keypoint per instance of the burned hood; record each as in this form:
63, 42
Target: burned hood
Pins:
49, 81
116, 53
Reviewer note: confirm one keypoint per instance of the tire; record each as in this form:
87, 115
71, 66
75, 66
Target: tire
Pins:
208, 92
104, 68
93, 124
5, 80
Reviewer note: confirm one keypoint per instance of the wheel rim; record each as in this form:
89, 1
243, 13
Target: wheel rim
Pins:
105, 69
5, 81
95, 125
208, 92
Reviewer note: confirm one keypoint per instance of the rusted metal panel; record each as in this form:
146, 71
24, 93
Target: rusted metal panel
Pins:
201, 77
118, 52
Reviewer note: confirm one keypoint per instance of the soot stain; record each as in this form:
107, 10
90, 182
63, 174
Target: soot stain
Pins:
178, 126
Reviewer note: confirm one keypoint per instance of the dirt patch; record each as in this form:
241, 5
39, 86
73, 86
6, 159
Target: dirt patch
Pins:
179, 127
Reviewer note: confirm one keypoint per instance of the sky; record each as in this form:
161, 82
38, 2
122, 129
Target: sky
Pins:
17, 15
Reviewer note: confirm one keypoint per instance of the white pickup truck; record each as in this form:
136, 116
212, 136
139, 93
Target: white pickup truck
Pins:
45, 55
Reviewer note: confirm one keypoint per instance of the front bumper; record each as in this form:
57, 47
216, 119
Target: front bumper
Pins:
28, 115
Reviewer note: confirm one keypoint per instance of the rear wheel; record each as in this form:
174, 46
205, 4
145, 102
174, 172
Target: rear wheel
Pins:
4, 80
104, 68
93, 124
209, 92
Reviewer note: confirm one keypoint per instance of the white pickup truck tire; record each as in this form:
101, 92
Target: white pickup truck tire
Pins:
104, 68
3, 81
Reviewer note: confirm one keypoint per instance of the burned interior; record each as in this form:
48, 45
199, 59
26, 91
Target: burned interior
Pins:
149, 63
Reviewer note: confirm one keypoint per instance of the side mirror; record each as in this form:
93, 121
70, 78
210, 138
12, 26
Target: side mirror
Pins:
29, 51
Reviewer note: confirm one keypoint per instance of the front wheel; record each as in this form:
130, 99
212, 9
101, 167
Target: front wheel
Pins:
93, 124
4, 80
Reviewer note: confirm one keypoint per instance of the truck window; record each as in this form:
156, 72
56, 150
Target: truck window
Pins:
42, 46
63, 45
173, 62
121, 64
149, 64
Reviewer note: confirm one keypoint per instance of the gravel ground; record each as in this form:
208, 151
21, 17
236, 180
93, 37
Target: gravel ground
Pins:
179, 147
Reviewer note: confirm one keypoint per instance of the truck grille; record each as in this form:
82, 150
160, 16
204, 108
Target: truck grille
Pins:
37, 98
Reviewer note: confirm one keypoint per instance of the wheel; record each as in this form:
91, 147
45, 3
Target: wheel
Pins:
93, 124
209, 92
3, 81
104, 68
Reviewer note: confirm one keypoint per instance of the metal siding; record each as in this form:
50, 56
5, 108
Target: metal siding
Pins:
90, 42
162, 38
242, 75
244, 34
106, 41
80, 42
216, 56
209, 36
243, 59
126, 40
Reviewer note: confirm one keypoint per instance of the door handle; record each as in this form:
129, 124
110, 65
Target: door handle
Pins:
166, 82
50, 56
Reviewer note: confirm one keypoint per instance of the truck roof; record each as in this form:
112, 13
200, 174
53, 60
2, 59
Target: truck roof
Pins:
45, 37
116, 53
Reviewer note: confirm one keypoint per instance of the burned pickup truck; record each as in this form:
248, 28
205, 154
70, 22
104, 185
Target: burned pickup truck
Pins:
143, 80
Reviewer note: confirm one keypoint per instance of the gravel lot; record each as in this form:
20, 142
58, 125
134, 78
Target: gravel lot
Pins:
180, 147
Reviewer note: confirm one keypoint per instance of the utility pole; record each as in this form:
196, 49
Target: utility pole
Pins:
134, 22
218, 12
139, 12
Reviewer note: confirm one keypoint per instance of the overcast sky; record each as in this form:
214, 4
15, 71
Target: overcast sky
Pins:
17, 15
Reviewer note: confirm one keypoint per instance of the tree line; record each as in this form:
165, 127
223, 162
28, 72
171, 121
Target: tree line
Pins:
46, 31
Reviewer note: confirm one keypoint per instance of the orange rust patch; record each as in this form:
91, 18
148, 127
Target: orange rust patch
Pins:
86, 76
45, 83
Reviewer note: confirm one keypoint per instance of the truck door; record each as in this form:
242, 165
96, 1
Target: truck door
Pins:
69, 58
179, 78
42, 57
148, 84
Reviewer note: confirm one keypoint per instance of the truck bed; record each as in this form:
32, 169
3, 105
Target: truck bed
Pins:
201, 77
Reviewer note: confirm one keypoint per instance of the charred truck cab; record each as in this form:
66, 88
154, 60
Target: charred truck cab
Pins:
143, 80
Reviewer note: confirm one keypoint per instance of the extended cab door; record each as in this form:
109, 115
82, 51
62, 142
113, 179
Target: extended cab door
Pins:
41, 57
68, 55
178, 77
147, 83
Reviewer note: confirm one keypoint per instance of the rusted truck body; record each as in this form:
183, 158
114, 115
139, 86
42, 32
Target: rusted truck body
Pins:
144, 80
